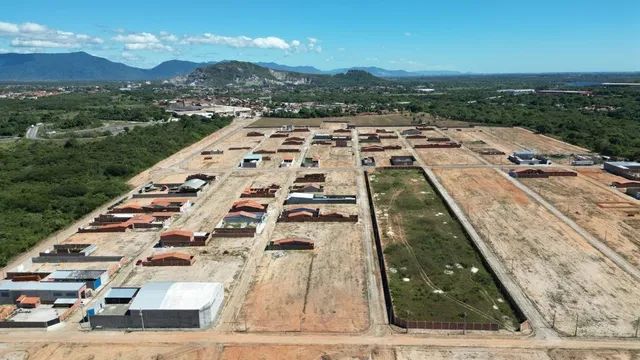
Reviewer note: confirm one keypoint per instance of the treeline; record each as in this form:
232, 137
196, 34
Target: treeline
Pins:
74, 111
607, 123
45, 186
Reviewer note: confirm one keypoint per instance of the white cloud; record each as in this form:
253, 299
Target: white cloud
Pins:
269, 42
32, 35
166, 36
143, 41
313, 45
130, 56
8, 28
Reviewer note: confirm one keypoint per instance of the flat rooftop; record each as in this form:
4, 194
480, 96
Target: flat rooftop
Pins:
41, 285
176, 296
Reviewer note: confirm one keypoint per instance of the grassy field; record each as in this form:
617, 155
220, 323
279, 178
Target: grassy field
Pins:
434, 272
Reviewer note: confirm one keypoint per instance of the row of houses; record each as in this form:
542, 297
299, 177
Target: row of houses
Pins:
245, 218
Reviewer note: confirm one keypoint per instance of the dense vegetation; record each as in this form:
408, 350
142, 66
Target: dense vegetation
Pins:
75, 111
432, 266
44, 186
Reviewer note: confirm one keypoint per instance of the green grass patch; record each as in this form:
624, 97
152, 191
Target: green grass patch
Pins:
426, 251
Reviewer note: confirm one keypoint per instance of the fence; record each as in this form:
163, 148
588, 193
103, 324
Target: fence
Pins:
445, 325
413, 324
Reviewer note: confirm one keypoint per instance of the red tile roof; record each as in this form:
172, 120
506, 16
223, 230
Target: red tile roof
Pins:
185, 233
170, 255
242, 213
293, 240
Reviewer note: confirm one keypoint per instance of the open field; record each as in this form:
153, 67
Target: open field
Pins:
525, 139
599, 175
332, 157
311, 290
583, 199
478, 138
434, 272
207, 267
560, 271
360, 120
448, 156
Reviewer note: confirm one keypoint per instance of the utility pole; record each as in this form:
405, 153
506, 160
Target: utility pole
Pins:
464, 329
575, 333
553, 321
637, 325
141, 319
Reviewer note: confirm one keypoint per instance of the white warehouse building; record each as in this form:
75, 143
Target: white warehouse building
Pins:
164, 305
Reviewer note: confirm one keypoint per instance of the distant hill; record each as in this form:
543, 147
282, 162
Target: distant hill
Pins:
375, 71
80, 66
250, 74
299, 69
173, 68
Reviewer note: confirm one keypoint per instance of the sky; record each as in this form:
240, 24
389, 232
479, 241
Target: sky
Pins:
481, 36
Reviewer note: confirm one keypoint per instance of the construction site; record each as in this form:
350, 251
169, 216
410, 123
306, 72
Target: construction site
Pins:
342, 238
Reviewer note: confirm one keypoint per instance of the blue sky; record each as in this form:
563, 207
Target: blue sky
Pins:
469, 36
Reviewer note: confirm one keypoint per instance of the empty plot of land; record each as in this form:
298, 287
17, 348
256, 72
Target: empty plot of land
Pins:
310, 290
229, 158
339, 182
559, 270
107, 244
525, 139
612, 218
330, 156
284, 352
434, 272
600, 175
448, 156
206, 267
477, 139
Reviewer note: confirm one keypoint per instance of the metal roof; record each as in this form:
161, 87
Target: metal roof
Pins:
300, 195
624, 164
253, 157
8, 285
65, 301
76, 274
122, 293
177, 296
194, 183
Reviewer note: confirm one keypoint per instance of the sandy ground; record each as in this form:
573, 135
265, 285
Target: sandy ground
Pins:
599, 175
557, 269
524, 139
317, 290
578, 197
195, 351
452, 156
331, 156
207, 267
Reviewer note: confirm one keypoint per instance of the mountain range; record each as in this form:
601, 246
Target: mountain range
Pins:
80, 66
249, 74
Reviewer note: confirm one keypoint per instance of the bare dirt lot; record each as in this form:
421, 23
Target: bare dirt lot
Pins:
207, 267
331, 156
581, 199
477, 138
559, 270
311, 290
524, 139
450, 156
599, 175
